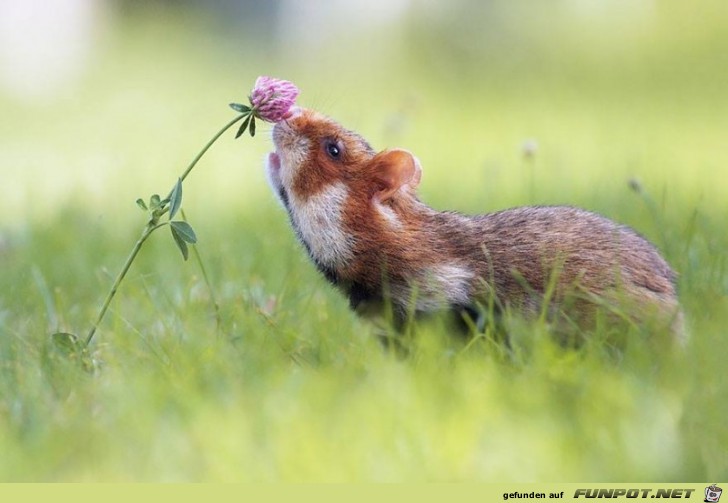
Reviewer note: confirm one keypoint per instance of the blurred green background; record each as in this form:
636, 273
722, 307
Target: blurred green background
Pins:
505, 103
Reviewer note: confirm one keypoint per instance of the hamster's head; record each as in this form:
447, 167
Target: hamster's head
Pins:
314, 153
337, 190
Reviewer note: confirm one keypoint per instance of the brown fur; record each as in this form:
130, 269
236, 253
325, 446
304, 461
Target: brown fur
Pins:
522, 256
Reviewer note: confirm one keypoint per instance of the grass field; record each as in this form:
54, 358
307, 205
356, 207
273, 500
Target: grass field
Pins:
291, 386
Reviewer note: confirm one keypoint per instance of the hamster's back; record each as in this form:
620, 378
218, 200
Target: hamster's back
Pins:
577, 250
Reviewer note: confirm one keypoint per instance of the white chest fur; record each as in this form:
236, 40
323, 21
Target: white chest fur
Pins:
319, 221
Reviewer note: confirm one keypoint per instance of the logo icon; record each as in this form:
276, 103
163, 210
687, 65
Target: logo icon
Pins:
712, 493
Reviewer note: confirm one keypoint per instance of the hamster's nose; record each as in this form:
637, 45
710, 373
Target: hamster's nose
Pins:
293, 112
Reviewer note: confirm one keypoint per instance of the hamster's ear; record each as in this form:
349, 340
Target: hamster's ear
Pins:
392, 170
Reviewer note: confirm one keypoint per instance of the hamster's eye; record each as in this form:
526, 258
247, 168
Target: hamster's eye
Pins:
333, 150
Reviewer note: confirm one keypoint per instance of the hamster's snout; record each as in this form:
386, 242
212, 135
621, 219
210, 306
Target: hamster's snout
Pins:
282, 134
284, 127
294, 112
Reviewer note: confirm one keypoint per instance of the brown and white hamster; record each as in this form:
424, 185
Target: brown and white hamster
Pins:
356, 212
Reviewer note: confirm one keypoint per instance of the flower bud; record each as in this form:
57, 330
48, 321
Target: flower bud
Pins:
272, 99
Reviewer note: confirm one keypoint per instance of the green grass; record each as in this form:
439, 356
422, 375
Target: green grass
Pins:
291, 385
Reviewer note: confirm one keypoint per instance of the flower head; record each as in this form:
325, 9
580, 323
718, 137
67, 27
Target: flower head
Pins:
272, 99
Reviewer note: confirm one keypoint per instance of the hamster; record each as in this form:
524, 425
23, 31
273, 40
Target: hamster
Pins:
357, 214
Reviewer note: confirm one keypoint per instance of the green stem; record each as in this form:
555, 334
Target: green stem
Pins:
209, 144
198, 258
151, 226
148, 229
